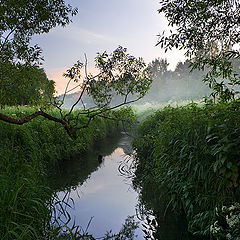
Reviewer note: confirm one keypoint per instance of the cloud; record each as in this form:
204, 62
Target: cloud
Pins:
81, 35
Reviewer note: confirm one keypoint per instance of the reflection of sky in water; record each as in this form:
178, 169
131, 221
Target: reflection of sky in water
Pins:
105, 196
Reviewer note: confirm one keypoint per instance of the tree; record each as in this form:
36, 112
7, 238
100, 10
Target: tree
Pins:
176, 85
24, 85
21, 81
21, 19
119, 74
209, 32
158, 68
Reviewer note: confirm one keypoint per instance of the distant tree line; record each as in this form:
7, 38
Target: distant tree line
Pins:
184, 82
176, 85
167, 85
208, 32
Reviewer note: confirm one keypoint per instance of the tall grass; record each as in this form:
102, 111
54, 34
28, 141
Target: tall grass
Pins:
148, 108
192, 154
27, 153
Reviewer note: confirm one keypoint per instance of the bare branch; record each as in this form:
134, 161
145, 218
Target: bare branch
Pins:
6, 38
65, 92
73, 88
83, 89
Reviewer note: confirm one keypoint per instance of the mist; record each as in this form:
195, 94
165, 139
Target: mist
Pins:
168, 87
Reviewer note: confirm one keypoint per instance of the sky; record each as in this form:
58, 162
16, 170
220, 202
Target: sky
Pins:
103, 25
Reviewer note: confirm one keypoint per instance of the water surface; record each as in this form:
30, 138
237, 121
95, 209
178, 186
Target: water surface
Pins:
101, 195
99, 192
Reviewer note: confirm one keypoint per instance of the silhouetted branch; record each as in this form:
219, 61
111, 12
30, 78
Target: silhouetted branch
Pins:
28, 118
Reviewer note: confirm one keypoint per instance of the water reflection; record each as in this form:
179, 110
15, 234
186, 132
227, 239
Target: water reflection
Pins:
101, 193
73, 172
161, 222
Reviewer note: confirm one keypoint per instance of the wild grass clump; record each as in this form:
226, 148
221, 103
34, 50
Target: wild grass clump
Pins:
27, 154
192, 154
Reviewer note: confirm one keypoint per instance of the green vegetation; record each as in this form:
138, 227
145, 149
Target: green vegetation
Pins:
27, 155
24, 85
190, 154
22, 81
209, 34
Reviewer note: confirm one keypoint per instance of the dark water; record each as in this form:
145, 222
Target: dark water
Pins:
100, 196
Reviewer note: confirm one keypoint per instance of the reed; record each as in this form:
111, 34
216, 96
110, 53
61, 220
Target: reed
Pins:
27, 154
192, 154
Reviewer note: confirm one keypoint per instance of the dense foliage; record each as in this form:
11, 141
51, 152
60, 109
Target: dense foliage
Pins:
119, 74
27, 155
21, 81
191, 154
23, 85
21, 19
208, 31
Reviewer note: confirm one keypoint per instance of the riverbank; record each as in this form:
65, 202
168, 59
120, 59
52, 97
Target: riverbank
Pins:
27, 153
190, 155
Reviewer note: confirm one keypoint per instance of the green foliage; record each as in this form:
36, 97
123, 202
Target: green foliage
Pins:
227, 224
125, 233
21, 82
209, 33
158, 67
191, 153
24, 85
21, 19
120, 74
27, 154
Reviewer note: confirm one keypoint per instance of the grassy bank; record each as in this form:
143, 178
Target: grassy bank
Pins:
27, 153
191, 154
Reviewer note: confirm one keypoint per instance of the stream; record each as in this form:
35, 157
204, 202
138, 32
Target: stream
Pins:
99, 197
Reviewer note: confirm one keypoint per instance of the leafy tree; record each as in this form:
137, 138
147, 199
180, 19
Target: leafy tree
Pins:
21, 82
209, 32
179, 84
24, 85
119, 74
21, 19
158, 67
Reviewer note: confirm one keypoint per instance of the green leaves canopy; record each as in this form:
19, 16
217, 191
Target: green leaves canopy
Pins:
120, 74
21, 19
23, 85
21, 81
209, 32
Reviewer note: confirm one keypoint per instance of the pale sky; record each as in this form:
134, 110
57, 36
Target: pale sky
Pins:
104, 25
